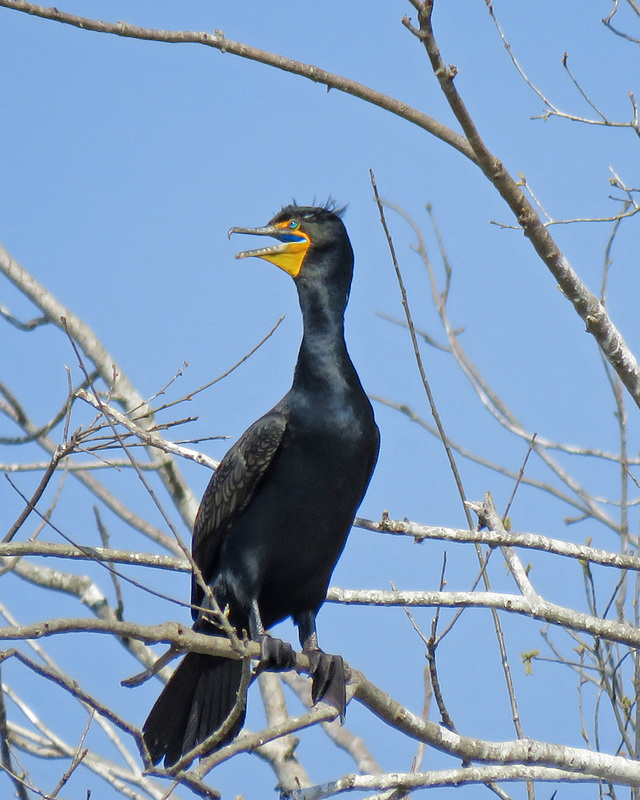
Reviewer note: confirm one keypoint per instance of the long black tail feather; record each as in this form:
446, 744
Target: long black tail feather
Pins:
194, 704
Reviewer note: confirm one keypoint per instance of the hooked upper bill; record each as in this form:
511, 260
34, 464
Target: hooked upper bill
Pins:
288, 254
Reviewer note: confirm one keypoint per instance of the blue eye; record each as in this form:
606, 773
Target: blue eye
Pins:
291, 226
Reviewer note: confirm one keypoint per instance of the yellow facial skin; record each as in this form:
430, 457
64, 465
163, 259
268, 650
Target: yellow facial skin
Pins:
289, 254
289, 257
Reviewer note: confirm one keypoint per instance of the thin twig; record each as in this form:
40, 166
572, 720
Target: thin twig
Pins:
416, 351
519, 479
7, 763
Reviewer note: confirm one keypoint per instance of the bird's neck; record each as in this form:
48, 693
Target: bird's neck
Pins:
323, 361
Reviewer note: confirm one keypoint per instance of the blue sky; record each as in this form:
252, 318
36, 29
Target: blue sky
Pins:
123, 165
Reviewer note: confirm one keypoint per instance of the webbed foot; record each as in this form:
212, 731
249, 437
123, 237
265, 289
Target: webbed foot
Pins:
275, 655
329, 682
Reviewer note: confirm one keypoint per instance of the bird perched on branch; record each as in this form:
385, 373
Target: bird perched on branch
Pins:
276, 514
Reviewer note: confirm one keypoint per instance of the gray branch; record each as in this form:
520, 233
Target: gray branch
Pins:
109, 371
410, 781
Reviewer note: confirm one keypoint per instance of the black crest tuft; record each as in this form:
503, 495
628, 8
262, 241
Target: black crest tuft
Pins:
316, 212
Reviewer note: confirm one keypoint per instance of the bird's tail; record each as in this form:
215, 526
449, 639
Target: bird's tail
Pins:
195, 702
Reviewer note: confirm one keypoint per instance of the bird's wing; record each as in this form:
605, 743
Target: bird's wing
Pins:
230, 491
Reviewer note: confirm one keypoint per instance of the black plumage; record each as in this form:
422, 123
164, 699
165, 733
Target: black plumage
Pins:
276, 514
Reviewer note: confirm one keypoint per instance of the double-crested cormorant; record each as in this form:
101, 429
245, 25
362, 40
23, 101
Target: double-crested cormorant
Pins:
276, 514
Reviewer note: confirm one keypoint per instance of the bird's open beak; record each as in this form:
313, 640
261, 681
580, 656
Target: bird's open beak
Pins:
288, 254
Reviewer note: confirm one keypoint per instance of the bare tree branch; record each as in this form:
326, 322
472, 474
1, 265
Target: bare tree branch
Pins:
409, 781
531, 541
520, 751
113, 375
218, 41
535, 609
586, 304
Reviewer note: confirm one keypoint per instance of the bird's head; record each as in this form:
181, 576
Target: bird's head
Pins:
310, 240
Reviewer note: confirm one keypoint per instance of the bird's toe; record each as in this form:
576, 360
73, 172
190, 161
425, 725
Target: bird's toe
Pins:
329, 682
275, 655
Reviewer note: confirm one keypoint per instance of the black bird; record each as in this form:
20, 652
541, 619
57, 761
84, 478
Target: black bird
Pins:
276, 514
